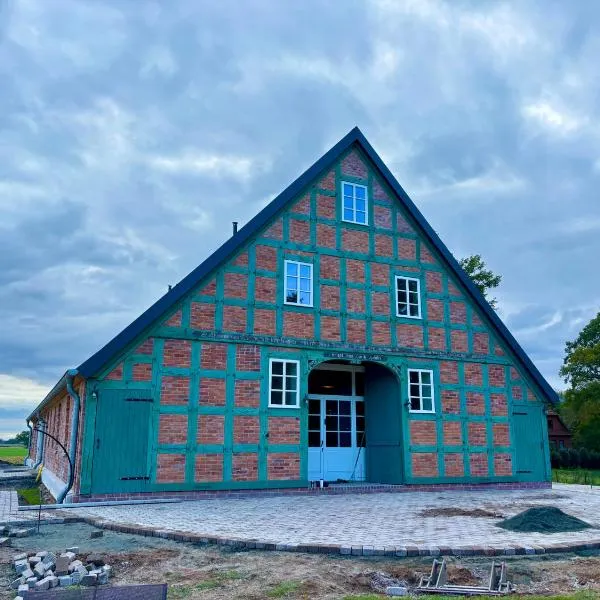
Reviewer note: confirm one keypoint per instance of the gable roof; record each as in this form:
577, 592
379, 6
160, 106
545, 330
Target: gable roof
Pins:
111, 350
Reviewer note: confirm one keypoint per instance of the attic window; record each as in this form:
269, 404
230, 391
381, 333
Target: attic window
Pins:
298, 283
355, 203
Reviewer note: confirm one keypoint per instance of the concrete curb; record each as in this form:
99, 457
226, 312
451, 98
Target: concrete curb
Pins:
344, 550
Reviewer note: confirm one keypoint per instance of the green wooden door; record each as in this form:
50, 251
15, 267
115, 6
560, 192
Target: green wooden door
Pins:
383, 426
528, 422
121, 462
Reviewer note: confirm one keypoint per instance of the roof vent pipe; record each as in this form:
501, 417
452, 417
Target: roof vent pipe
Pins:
235, 227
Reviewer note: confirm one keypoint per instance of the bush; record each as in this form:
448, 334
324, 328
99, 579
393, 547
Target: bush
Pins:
574, 458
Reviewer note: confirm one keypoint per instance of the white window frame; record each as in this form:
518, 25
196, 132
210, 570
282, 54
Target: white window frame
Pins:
354, 186
420, 372
397, 295
283, 391
312, 284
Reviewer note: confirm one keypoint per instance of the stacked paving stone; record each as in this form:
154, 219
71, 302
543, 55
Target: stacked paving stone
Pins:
44, 570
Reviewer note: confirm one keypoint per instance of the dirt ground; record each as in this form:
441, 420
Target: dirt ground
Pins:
214, 573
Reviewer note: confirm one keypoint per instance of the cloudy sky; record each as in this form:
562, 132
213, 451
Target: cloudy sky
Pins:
133, 132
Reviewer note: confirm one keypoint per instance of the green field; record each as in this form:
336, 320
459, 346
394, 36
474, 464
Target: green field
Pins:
582, 476
13, 454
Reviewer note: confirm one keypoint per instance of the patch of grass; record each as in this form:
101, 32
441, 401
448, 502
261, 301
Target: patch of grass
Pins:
13, 454
284, 589
29, 496
580, 476
217, 579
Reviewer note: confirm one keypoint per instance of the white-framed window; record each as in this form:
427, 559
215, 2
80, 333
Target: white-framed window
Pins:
298, 283
408, 297
355, 203
420, 391
284, 383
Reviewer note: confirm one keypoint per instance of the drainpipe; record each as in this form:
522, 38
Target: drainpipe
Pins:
29, 442
39, 452
74, 429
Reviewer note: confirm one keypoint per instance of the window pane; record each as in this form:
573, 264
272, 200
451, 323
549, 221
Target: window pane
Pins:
314, 407
402, 309
427, 404
414, 390
331, 439
314, 439
361, 205
331, 407
314, 422
359, 191
426, 377
415, 404
361, 217
305, 285
426, 391
277, 367
348, 214
291, 383
305, 271
276, 382
402, 296
401, 283
360, 423
291, 368
292, 297
345, 424
413, 376
412, 285
276, 398
291, 284
345, 408
413, 310
413, 298
305, 298
330, 383
290, 398
360, 409
348, 202
345, 440
292, 268
331, 423
348, 189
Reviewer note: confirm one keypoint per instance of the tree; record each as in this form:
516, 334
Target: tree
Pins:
581, 365
22, 438
581, 369
483, 278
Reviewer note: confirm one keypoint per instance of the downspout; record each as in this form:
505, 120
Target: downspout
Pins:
74, 430
29, 442
39, 452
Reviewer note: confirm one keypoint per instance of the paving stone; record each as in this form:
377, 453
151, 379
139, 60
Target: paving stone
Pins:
103, 578
31, 581
89, 580
4, 541
34, 560
21, 565
23, 588
396, 591
43, 584
62, 565
394, 520
53, 581
69, 555
42, 554
27, 573
65, 580
19, 557
74, 565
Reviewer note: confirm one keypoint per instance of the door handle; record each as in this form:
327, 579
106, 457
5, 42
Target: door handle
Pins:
97, 443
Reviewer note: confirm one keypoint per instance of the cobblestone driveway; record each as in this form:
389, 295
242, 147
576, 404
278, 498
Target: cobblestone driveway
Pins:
378, 520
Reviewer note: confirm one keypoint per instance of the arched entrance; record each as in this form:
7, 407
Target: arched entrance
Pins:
354, 423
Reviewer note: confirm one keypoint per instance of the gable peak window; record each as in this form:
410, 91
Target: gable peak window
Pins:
420, 391
298, 283
355, 203
284, 388
408, 297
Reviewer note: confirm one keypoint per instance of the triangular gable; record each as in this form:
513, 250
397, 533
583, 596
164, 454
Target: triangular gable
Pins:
237, 242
